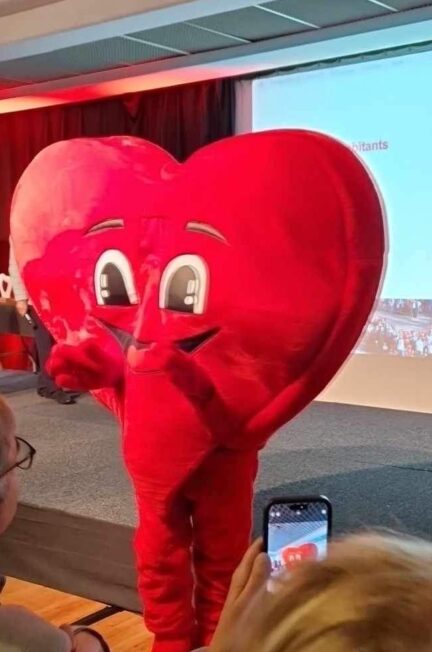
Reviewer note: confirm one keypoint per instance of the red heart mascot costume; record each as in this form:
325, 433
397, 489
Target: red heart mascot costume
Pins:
205, 304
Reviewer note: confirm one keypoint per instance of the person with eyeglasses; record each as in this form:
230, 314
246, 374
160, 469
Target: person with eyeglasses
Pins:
20, 629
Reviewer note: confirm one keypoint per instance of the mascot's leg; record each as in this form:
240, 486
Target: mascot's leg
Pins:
222, 493
164, 444
162, 545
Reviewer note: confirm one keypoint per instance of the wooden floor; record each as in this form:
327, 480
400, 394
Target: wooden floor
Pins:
124, 631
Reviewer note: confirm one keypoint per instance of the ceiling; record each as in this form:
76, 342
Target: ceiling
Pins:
258, 23
9, 7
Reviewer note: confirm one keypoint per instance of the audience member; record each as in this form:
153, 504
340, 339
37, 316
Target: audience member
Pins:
372, 594
21, 630
44, 342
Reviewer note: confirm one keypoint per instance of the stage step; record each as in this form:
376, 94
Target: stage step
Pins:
79, 555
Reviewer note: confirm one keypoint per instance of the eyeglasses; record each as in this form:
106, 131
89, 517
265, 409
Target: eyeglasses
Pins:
25, 455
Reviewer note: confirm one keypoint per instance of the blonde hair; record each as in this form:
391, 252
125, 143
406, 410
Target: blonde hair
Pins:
372, 594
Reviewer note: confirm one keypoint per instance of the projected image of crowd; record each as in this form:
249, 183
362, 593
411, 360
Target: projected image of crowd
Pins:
400, 327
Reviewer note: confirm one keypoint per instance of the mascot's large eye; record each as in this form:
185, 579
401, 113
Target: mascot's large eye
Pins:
184, 285
114, 283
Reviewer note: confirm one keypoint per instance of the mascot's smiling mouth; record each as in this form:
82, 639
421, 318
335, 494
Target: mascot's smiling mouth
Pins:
187, 344
190, 344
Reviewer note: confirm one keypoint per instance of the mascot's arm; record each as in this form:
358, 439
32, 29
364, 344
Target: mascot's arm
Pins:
199, 389
87, 366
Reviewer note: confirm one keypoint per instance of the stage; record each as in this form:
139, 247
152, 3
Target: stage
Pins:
75, 525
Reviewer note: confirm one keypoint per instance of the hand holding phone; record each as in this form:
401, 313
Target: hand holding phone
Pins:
296, 529
247, 581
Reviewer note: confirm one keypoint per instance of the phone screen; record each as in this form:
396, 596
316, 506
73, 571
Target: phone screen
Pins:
296, 531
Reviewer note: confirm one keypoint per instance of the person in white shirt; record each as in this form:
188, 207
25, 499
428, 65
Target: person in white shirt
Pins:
44, 342
419, 346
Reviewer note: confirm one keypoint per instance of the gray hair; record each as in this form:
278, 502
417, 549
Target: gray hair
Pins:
7, 432
23, 631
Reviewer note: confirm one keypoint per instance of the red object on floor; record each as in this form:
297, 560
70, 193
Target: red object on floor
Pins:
14, 353
207, 303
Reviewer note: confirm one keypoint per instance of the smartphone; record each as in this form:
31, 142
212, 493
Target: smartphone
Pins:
297, 529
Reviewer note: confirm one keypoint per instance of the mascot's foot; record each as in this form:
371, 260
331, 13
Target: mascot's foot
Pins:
172, 645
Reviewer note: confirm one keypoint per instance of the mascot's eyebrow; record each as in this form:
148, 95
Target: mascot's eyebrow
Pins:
201, 227
112, 223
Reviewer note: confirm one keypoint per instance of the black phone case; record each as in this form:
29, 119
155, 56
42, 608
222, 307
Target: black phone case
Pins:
292, 500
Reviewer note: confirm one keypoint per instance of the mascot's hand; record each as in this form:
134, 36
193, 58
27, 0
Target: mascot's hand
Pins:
86, 366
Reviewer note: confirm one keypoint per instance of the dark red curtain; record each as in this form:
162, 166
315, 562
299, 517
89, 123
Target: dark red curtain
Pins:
181, 119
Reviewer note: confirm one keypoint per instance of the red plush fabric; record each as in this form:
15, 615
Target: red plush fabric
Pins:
238, 284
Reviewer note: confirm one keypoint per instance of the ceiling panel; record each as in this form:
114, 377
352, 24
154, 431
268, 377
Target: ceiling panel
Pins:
261, 21
251, 23
9, 7
101, 55
186, 37
327, 12
407, 4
